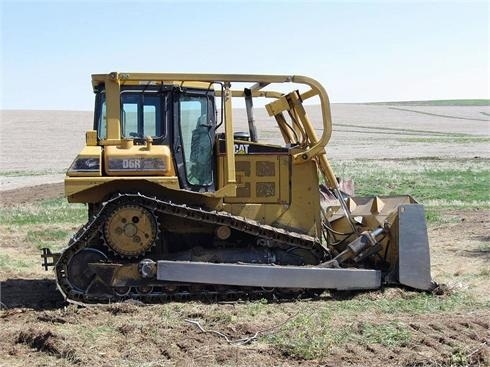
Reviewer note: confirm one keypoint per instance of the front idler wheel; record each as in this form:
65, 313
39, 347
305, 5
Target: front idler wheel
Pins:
79, 274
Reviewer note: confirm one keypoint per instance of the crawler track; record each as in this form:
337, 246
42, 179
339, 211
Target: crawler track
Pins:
267, 236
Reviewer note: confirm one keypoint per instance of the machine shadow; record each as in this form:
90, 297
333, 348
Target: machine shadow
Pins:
42, 294
482, 251
37, 294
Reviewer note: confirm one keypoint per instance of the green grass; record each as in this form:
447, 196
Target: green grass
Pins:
440, 102
48, 237
414, 303
442, 183
257, 307
55, 211
21, 173
309, 335
391, 334
448, 140
438, 114
438, 184
320, 326
485, 247
98, 333
48, 223
312, 335
400, 131
9, 263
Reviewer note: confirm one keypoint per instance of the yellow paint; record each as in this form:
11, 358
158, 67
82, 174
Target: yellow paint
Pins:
132, 154
279, 189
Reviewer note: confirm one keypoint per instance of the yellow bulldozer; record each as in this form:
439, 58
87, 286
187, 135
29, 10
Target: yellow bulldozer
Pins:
182, 204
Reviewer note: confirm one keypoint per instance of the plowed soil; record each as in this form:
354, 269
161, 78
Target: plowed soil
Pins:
45, 337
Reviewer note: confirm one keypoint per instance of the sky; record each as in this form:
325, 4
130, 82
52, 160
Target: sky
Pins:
361, 51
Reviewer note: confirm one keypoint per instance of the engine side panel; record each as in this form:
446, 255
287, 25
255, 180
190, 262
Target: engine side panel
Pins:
293, 200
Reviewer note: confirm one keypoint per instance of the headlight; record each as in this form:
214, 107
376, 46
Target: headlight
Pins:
85, 164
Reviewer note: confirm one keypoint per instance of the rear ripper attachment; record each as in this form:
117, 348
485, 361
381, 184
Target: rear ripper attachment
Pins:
181, 205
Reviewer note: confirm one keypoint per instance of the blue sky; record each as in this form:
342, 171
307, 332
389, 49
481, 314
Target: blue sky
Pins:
361, 51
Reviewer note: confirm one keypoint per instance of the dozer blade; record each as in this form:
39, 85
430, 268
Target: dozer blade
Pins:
268, 276
413, 248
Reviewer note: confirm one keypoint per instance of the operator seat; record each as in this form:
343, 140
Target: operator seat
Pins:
201, 153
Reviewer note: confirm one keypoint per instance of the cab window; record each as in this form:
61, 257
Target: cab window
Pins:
141, 116
197, 139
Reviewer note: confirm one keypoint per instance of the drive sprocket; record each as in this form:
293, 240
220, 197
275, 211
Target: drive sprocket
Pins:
131, 230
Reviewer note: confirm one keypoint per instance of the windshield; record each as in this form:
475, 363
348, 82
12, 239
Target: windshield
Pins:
141, 116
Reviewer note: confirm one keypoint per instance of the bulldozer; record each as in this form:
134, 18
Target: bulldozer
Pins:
183, 204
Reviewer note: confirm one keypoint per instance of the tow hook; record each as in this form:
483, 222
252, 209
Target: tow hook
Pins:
49, 258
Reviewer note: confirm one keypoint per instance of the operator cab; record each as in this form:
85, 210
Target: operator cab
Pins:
183, 119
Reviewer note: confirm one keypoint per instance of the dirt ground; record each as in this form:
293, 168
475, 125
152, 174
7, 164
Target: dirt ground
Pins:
32, 193
38, 329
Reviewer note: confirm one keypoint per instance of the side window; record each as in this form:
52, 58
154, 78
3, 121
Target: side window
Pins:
197, 140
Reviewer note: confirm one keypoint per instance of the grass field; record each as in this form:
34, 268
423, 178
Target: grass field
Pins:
447, 183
